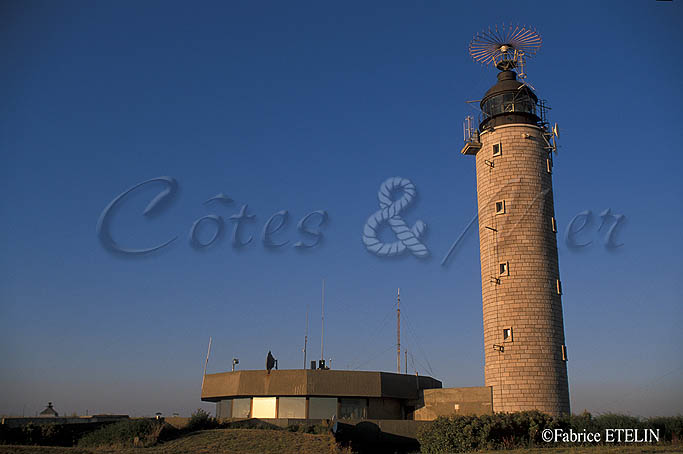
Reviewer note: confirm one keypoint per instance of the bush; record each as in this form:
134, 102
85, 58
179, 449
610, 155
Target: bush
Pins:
201, 420
42, 434
670, 428
497, 431
523, 429
134, 432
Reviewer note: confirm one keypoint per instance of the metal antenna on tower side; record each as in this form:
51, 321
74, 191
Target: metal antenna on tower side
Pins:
505, 47
398, 332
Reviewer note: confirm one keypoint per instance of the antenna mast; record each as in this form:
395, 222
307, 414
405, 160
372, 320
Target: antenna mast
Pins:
306, 337
398, 332
208, 352
322, 330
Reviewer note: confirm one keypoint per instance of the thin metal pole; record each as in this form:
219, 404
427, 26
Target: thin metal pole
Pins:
306, 337
208, 352
406, 353
322, 330
398, 332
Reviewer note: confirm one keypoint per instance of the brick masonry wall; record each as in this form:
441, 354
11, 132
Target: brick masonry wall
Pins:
530, 373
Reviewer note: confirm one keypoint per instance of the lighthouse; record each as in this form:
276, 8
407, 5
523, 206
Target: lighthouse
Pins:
513, 145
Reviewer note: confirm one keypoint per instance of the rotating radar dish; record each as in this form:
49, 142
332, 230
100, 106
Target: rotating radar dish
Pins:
505, 47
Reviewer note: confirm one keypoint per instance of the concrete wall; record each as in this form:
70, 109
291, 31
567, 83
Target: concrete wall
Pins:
454, 401
383, 408
528, 372
300, 382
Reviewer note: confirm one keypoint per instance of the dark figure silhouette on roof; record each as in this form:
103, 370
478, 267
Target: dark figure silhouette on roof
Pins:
270, 361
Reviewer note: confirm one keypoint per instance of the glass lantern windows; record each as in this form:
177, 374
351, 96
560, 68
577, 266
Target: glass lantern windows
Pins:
519, 101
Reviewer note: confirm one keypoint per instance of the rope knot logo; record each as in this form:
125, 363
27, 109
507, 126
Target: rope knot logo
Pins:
408, 238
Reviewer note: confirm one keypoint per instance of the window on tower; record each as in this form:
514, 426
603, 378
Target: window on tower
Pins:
497, 149
504, 269
507, 334
500, 207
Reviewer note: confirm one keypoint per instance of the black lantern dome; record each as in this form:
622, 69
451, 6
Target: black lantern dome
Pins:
508, 101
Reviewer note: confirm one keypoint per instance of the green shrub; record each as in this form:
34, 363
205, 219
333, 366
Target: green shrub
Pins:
670, 427
497, 431
320, 429
133, 432
615, 421
524, 429
41, 434
57, 435
201, 420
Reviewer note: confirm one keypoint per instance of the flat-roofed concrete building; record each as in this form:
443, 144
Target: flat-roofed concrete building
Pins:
338, 394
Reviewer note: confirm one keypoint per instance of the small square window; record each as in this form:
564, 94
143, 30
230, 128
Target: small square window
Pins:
549, 165
564, 353
500, 207
497, 149
504, 269
554, 224
507, 334
559, 287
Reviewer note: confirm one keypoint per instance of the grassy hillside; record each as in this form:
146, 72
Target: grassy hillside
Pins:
229, 441
650, 449
258, 441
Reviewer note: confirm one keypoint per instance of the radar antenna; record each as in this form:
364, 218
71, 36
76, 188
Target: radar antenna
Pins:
505, 47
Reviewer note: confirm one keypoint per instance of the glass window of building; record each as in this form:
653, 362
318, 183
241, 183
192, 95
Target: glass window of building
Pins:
224, 409
322, 407
353, 408
292, 407
241, 408
264, 407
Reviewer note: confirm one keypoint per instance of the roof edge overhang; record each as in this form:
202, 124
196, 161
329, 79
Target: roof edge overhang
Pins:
305, 383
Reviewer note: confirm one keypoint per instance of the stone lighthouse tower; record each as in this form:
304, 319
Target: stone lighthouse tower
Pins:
524, 345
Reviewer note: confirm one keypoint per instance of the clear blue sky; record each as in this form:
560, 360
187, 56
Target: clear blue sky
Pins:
304, 107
